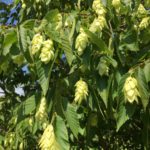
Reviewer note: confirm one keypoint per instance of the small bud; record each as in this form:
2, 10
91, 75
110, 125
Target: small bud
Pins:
23, 6
31, 122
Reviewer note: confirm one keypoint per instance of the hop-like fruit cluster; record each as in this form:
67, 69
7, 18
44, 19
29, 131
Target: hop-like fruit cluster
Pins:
81, 42
36, 43
41, 113
102, 67
48, 141
98, 8
144, 23
98, 24
81, 91
116, 4
141, 11
47, 52
131, 90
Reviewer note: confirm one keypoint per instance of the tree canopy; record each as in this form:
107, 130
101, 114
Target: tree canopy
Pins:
86, 81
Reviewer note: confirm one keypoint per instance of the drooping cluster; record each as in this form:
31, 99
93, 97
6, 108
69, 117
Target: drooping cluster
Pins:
41, 113
81, 42
131, 90
141, 11
47, 52
99, 22
48, 141
36, 43
142, 15
45, 48
144, 23
98, 8
81, 91
102, 67
117, 5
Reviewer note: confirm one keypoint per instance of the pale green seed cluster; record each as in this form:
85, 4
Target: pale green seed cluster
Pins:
36, 43
145, 19
47, 51
131, 90
81, 42
144, 23
99, 22
98, 8
81, 91
117, 5
41, 113
141, 11
102, 67
46, 48
48, 141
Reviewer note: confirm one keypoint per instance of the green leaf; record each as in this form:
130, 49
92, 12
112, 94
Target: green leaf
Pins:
26, 107
72, 119
66, 46
102, 89
125, 110
112, 61
29, 105
9, 39
143, 87
28, 24
51, 16
23, 38
129, 40
97, 41
23, 43
43, 72
61, 133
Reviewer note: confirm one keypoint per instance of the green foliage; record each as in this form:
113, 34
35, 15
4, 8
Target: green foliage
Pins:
113, 51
